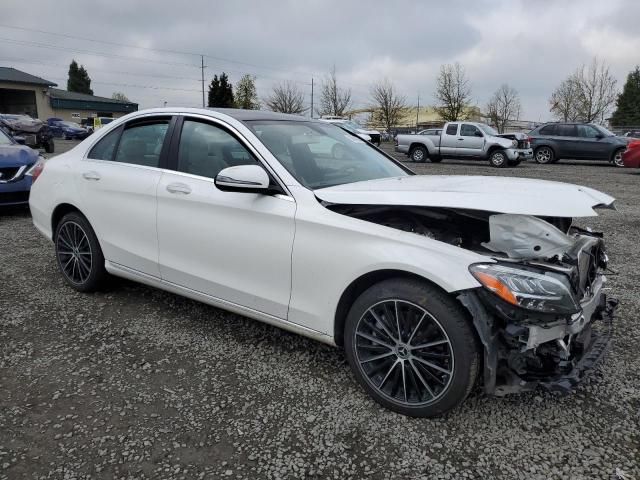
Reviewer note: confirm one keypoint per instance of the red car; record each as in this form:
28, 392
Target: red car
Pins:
631, 156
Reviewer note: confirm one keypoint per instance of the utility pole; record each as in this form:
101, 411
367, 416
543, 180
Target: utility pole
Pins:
202, 75
311, 97
417, 112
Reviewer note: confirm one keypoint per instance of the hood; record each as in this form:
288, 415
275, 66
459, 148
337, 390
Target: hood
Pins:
17, 155
492, 194
27, 125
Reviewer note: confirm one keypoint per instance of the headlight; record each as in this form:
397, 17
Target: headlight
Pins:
514, 143
545, 292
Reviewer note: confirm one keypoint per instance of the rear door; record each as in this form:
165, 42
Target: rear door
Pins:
567, 140
591, 144
470, 141
449, 140
117, 183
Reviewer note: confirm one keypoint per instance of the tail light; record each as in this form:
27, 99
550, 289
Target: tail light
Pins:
633, 144
36, 170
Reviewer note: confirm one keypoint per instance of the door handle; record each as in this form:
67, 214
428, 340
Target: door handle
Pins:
178, 188
461, 139
91, 176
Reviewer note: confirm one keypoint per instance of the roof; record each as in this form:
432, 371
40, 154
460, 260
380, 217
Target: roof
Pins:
248, 115
83, 97
9, 74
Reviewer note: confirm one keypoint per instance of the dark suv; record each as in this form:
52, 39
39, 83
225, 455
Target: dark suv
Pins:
580, 141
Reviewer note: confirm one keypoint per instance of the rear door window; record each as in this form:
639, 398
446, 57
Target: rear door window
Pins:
564, 130
452, 129
548, 130
141, 143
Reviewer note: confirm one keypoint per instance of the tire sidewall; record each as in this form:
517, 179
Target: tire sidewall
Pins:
98, 272
424, 154
551, 155
613, 157
505, 159
452, 319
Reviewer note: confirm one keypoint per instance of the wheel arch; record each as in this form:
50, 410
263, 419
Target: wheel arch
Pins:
60, 211
359, 285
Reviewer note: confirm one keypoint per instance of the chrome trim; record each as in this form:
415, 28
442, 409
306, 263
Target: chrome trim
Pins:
16, 176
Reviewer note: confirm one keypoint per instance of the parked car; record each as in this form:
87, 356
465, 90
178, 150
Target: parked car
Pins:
16, 168
375, 136
631, 156
426, 282
580, 141
67, 130
36, 133
465, 140
633, 134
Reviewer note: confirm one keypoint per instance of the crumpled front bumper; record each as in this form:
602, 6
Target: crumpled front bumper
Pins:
501, 379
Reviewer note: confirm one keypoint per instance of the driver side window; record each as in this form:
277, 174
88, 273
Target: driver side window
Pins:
205, 149
467, 130
587, 131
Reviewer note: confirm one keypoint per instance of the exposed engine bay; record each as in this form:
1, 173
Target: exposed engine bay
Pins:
542, 317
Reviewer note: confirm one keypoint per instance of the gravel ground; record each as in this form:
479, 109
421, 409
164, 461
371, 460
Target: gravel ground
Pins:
138, 383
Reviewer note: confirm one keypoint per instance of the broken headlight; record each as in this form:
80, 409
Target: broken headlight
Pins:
545, 292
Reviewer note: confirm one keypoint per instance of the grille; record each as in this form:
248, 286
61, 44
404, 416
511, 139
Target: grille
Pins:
7, 173
523, 144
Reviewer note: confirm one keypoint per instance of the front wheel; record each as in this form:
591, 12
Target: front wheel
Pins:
49, 146
411, 347
498, 159
617, 158
79, 254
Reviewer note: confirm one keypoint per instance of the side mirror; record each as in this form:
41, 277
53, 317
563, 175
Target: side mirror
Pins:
243, 178
478, 133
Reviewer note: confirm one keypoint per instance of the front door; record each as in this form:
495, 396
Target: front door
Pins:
234, 246
470, 141
591, 145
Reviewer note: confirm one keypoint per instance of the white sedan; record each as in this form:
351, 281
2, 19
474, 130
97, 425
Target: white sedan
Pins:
429, 283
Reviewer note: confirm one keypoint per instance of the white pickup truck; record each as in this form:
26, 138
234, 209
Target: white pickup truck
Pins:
466, 140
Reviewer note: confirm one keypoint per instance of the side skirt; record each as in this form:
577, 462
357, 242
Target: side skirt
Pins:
136, 276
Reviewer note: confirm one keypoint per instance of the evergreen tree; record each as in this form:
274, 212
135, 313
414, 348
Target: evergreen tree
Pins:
628, 103
79, 80
221, 92
246, 96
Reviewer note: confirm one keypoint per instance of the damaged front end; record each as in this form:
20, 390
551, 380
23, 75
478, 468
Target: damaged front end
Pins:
541, 314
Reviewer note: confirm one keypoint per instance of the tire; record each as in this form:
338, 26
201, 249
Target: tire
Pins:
83, 270
544, 155
430, 318
498, 159
49, 147
616, 158
419, 154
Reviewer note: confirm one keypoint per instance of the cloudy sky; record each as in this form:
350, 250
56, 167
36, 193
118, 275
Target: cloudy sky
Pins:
530, 44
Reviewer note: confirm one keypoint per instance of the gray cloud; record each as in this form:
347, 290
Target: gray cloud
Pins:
530, 45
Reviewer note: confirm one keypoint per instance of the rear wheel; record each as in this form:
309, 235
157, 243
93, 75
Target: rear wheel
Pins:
79, 254
411, 347
498, 159
419, 154
617, 158
544, 155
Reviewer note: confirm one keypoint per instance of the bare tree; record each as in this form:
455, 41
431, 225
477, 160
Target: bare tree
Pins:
388, 104
587, 95
453, 93
564, 100
333, 99
286, 97
504, 106
119, 96
597, 92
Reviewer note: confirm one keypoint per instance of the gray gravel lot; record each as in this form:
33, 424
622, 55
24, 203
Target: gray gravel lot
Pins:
138, 383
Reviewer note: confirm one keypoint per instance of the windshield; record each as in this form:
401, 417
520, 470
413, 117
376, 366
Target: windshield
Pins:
487, 129
4, 139
605, 131
322, 155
